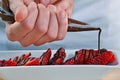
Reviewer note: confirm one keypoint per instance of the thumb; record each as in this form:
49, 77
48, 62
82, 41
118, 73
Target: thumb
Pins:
19, 9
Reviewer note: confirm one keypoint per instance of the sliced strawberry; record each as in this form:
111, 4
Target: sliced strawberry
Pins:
113, 58
59, 61
60, 54
9, 63
27, 55
1, 62
79, 57
83, 55
44, 59
102, 59
20, 59
70, 61
34, 62
16, 59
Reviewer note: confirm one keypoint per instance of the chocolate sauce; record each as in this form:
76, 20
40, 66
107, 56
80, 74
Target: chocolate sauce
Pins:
84, 58
78, 26
23, 62
3, 63
16, 59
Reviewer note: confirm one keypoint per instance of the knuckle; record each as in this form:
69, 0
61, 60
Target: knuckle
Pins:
51, 36
60, 37
24, 45
28, 26
11, 36
42, 29
36, 44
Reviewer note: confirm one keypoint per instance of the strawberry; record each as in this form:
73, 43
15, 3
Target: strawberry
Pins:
82, 56
16, 59
9, 63
33, 62
103, 58
27, 55
79, 57
113, 58
70, 61
59, 61
1, 62
45, 57
58, 57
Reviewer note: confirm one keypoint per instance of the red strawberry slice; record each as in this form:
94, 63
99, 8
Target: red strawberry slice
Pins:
16, 59
58, 57
27, 55
1, 62
113, 58
45, 57
79, 57
9, 63
70, 61
59, 61
82, 56
34, 62
102, 59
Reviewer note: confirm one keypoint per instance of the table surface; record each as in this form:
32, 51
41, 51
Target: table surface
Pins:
113, 75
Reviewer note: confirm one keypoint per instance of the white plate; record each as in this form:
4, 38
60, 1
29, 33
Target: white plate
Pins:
54, 72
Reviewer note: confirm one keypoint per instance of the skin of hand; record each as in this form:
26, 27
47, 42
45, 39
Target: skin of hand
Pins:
38, 22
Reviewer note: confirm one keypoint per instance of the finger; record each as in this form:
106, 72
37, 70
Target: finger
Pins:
64, 4
63, 24
45, 2
27, 2
54, 1
53, 28
19, 9
41, 26
69, 11
17, 31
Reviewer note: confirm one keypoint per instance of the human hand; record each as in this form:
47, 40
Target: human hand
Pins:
36, 26
66, 5
25, 16
63, 11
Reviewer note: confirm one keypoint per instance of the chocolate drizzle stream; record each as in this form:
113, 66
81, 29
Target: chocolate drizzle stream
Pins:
73, 25
78, 26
